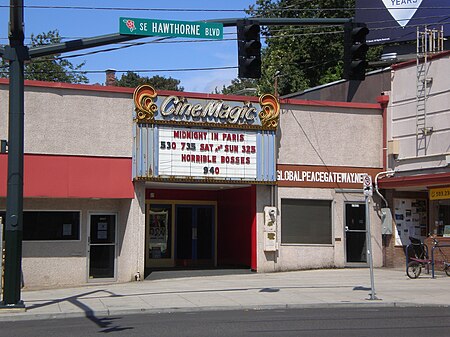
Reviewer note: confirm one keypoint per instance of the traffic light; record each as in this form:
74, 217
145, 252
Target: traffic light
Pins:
355, 50
249, 49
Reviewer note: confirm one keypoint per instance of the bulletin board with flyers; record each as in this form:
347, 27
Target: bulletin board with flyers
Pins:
410, 217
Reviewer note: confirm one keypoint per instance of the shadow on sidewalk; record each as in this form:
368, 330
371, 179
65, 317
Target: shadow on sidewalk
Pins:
76, 300
105, 323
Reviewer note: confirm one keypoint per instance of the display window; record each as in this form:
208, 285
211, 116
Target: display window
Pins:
305, 221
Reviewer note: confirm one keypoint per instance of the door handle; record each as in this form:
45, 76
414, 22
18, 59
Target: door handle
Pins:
346, 228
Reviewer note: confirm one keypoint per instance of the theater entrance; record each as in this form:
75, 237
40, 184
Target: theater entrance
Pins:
194, 241
181, 234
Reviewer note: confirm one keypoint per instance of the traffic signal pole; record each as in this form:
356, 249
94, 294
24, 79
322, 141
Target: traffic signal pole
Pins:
16, 53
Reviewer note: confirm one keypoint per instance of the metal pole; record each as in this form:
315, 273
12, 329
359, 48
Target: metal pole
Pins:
14, 199
369, 250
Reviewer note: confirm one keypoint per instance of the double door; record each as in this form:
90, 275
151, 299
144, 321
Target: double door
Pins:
194, 228
180, 235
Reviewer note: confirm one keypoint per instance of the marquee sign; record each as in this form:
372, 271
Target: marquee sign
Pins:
207, 153
190, 111
196, 139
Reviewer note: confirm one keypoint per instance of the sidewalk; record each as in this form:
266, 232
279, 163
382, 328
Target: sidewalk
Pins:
299, 289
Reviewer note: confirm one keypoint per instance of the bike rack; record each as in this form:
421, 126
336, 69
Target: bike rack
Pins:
432, 257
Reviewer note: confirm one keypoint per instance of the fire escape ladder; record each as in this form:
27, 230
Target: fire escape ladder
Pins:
429, 41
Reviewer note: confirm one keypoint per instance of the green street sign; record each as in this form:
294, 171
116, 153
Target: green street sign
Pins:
151, 27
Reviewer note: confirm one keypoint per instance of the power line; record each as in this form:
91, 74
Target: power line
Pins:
310, 27
130, 70
286, 9
127, 8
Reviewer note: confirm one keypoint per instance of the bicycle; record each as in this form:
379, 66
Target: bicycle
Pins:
421, 258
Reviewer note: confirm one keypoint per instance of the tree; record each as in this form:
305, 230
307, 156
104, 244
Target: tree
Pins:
302, 56
49, 68
132, 80
245, 87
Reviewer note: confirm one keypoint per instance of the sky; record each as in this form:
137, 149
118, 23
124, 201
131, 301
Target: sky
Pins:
177, 54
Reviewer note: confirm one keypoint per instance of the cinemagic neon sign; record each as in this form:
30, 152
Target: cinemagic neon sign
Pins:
151, 108
181, 108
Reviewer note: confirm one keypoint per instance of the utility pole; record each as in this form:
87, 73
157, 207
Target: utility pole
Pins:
16, 53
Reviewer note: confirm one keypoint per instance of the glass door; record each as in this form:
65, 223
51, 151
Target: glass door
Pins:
159, 236
355, 232
195, 235
102, 246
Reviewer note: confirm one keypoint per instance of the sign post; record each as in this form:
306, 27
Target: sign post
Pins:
368, 192
152, 27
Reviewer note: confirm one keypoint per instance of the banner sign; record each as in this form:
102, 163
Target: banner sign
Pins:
440, 193
397, 20
323, 176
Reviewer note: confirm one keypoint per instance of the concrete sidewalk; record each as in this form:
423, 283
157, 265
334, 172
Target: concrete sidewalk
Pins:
299, 289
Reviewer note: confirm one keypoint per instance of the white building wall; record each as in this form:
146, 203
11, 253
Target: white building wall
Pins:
131, 258
74, 122
326, 136
332, 136
65, 263
402, 116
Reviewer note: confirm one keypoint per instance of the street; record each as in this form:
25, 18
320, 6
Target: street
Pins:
355, 321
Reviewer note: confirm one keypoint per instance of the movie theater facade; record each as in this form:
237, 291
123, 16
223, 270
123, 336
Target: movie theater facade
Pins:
120, 181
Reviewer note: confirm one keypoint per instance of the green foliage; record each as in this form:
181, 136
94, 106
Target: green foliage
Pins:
305, 56
49, 68
132, 80
245, 87
301, 57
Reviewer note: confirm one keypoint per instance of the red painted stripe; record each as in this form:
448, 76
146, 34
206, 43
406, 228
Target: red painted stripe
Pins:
254, 232
123, 90
52, 176
333, 104
384, 101
414, 62
418, 180
103, 88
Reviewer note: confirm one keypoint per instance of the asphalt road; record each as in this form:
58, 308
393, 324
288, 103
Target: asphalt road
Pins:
360, 322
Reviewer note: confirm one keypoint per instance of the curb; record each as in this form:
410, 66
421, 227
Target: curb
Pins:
10, 317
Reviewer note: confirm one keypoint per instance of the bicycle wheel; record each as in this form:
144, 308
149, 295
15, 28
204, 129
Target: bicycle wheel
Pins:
414, 269
447, 269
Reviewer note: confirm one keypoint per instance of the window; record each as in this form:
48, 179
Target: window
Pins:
50, 225
306, 221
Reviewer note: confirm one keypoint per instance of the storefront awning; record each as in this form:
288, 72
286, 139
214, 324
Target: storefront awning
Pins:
55, 176
423, 180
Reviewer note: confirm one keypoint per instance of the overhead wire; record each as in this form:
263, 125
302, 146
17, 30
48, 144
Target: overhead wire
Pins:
124, 45
309, 27
285, 9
